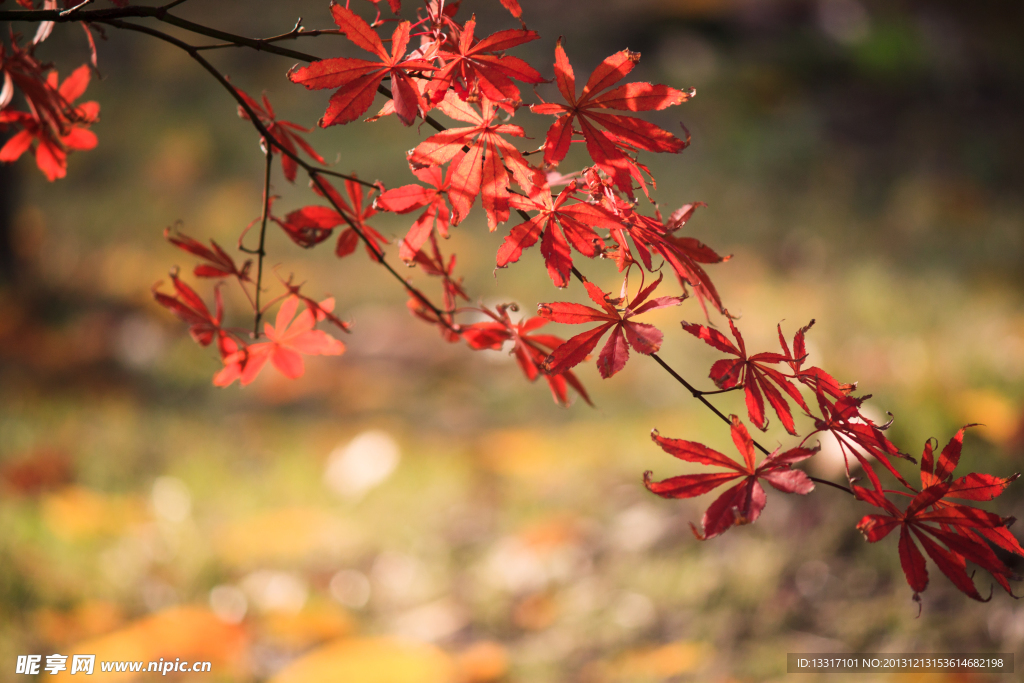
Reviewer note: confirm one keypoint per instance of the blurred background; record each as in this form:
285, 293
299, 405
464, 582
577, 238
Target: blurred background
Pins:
413, 511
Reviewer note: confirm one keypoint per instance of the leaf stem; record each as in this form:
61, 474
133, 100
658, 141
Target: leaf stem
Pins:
826, 482
261, 251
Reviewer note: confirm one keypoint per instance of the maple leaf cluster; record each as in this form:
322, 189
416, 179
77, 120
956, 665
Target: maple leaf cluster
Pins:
951, 533
434, 64
51, 123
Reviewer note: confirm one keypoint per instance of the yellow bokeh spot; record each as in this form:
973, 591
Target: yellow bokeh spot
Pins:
996, 412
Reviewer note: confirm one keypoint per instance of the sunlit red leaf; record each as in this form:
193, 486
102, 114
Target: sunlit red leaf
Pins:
482, 169
472, 69
356, 80
625, 333
609, 148
558, 225
290, 338
742, 503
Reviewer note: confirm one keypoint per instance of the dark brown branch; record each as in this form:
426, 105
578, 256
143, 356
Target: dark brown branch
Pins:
700, 396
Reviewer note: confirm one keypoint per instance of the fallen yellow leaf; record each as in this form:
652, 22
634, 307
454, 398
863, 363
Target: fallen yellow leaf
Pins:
371, 660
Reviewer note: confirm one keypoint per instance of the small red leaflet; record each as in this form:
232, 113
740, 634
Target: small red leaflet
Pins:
435, 265
218, 262
411, 197
859, 436
357, 210
188, 306
815, 378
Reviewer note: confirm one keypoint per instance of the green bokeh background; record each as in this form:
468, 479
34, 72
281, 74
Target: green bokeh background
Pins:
862, 163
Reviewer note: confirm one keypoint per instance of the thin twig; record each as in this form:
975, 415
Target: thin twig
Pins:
295, 33
261, 250
72, 10
346, 176
700, 397
720, 391
826, 482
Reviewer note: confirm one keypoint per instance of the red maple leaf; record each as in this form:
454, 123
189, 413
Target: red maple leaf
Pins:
444, 322
435, 265
357, 80
309, 225
929, 518
188, 306
608, 148
320, 310
758, 379
54, 131
513, 7
482, 169
577, 222
858, 435
641, 337
219, 262
357, 210
530, 349
22, 71
473, 71
411, 197
285, 132
742, 503
289, 338
652, 235
973, 486
684, 254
